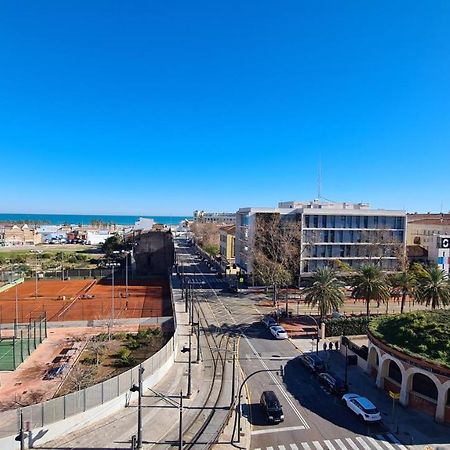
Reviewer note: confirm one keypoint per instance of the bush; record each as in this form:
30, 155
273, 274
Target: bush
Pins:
348, 326
124, 358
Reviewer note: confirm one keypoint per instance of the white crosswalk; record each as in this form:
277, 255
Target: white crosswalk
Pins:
377, 442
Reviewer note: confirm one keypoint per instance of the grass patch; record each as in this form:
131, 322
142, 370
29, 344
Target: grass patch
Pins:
424, 334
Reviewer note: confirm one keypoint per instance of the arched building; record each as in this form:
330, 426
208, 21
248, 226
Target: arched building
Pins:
421, 384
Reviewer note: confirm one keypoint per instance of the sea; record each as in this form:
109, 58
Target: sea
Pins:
75, 219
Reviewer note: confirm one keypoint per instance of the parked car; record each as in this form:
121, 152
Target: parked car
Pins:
272, 407
333, 383
362, 407
269, 321
313, 363
278, 332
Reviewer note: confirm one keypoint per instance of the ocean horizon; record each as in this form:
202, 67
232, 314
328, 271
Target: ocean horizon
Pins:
87, 219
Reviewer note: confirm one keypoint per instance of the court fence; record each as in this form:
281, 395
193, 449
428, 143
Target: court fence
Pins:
111, 393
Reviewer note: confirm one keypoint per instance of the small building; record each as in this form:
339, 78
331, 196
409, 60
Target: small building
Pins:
439, 251
227, 248
97, 237
18, 235
144, 224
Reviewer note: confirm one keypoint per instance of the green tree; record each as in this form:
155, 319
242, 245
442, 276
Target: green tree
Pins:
403, 284
433, 287
370, 283
111, 244
326, 291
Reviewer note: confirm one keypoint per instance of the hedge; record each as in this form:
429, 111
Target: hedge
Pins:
348, 326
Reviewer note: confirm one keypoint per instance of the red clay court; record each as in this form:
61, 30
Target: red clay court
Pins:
88, 299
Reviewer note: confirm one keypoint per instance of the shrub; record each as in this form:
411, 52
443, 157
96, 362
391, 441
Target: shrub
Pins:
348, 326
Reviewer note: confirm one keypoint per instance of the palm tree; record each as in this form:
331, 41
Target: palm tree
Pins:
433, 287
326, 291
370, 283
403, 284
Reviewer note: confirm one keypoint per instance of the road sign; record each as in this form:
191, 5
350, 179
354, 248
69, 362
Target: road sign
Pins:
394, 395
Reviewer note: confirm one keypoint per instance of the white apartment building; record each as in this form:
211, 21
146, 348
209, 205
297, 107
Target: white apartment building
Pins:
330, 232
220, 218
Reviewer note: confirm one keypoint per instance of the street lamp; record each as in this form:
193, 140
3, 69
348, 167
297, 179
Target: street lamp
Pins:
317, 336
113, 265
36, 273
138, 388
279, 371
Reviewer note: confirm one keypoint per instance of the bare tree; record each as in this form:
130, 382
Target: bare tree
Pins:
98, 349
207, 236
276, 251
80, 377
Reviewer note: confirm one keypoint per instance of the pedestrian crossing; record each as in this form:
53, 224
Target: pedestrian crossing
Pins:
377, 442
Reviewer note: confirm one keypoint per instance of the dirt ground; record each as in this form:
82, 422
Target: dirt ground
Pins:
27, 385
86, 299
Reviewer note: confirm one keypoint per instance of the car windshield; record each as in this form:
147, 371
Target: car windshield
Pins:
370, 410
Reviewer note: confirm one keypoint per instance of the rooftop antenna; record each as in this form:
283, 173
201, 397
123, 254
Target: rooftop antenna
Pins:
319, 181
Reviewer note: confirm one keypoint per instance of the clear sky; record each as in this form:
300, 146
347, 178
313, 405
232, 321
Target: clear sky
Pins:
162, 107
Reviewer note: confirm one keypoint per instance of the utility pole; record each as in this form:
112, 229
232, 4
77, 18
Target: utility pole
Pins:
180, 428
138, 389
233, 383
189, 388
198, 339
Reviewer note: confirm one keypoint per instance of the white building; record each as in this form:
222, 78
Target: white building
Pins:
144, 224
439, 251
221, 218
97, 237
330, 232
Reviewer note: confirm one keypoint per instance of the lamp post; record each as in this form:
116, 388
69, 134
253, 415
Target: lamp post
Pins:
36, 274
138, 388
280, 371
113, 265
317, 337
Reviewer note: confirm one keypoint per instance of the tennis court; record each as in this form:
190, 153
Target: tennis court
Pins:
89, 299
20, 342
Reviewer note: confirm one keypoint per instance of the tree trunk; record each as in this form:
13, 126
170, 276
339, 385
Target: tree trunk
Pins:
403, 301
367, 307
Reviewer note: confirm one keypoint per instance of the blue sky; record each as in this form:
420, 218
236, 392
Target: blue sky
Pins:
162, 107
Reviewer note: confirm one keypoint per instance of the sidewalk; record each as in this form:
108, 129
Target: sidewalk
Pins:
413, 428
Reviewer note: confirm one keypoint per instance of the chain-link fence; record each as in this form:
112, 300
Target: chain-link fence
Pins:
60, 408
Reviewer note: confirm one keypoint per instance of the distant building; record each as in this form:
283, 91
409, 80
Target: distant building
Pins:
217, 218
18, 235
97, 237
144, 224
227, 248
330, 232
422, 228
439, 251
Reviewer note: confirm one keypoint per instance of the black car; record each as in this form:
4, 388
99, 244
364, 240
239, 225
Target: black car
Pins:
272, 407
313, 363
333, 383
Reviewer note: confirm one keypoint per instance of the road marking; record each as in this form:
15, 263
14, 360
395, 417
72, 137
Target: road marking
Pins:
362, 442
277, 383
352, 444
341, 444
386, 443
306, 446
317, 445
277, 430
329, 445
396, 441
282, 447
374, 443
293, 447
269, 448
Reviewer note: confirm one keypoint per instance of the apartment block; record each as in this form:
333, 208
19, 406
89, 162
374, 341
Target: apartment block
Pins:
330, 234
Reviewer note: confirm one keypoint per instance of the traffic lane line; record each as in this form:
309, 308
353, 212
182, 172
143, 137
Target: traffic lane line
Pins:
278, 430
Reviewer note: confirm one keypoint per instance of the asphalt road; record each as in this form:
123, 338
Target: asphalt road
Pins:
314, 419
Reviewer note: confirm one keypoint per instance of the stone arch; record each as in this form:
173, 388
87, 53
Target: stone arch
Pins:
422, 383
373, 360
393, 369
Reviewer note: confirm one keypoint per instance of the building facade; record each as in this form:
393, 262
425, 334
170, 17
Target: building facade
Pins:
12, 235
331, 234
227, 248
221, 218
